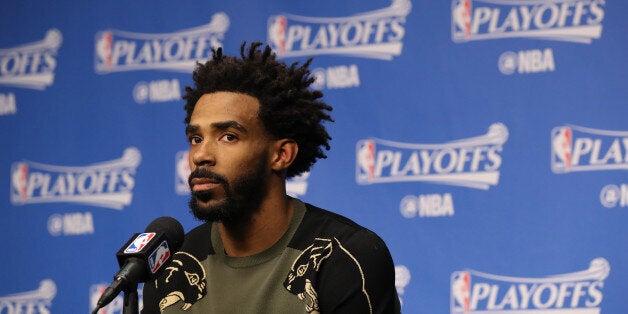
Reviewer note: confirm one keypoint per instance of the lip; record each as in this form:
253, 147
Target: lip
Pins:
203, 184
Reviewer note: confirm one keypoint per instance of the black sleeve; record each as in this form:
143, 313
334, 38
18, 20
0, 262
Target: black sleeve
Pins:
150, 299
359, 277
175, 277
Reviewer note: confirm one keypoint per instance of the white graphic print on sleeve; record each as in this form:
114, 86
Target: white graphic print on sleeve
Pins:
301, 280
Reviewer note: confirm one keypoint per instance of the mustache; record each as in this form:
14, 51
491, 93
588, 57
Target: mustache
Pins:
207, 174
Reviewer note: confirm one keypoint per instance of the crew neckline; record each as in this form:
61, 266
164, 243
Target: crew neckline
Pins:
266, 255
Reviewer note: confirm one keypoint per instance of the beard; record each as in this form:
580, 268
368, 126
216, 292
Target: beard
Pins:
241, 199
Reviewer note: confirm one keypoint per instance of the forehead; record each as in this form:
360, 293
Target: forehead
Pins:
222, 106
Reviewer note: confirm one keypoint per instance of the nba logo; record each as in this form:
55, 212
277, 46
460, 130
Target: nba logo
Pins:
19, 181
365, 161
461, 20
182, 173
104, 44
562, 148
159, 257
461, 15
139, 243
460, 292
277, 26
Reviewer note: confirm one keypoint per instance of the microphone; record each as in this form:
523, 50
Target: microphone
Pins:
143, 257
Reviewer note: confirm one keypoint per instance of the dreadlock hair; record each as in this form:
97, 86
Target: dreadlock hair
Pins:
288, 109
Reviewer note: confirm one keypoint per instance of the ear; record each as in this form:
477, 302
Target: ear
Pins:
283, 153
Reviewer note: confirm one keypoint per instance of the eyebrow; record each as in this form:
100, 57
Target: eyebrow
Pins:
221, 125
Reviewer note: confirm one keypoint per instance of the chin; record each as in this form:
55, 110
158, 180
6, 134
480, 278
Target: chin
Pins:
202, 209
212, 210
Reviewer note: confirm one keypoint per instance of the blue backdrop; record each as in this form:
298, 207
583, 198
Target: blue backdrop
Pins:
485, 140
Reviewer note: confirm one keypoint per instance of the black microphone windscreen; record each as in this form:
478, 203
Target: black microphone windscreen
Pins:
171, 228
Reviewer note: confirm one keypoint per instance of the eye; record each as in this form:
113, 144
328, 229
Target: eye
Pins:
301, 270
194, 139
228, 137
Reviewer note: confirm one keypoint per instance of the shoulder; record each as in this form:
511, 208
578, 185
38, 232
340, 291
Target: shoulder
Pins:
348, 265
324, 224
330, 238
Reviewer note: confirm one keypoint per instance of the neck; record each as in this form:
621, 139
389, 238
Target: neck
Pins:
263, 230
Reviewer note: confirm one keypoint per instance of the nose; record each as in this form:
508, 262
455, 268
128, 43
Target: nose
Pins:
202, 154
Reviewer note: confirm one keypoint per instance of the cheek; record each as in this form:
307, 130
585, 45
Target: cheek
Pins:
245, 163
191, 161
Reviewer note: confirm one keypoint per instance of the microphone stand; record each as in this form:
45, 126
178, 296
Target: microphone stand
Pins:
130, 301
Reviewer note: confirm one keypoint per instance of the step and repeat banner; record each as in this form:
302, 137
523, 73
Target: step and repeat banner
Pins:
486, 141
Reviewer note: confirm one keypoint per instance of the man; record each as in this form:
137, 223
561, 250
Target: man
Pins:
252, 122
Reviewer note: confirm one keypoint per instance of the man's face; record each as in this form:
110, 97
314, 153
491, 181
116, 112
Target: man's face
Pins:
228, 157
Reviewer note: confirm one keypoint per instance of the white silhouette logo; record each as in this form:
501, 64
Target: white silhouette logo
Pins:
35, 302
31, 65
376, 34
577, 21
476, 292
108, 184
472, 162
117, 51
